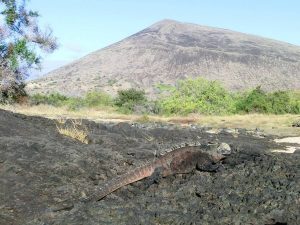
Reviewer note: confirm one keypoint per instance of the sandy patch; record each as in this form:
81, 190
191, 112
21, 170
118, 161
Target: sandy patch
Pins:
288, 149
294, 140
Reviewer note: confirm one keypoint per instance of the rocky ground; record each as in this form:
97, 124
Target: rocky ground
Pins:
43, 174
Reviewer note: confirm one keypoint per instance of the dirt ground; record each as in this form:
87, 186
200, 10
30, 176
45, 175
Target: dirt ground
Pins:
43, 174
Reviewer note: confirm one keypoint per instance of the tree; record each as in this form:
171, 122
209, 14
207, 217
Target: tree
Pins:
128, 99
21, 41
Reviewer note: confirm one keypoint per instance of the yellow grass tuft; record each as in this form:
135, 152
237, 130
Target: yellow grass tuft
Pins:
143, 119
76, 130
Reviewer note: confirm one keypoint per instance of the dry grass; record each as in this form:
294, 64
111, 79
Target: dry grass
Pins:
271, 124
74, 130
52, 112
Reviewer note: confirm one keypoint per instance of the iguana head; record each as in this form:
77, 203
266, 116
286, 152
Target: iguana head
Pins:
221, 152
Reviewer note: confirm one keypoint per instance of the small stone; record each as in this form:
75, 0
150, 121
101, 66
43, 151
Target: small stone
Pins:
224, 148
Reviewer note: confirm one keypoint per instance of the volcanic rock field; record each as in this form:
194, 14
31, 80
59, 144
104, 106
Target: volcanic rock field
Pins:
44, 174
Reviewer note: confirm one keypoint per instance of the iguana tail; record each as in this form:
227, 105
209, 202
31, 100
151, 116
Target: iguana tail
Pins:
120, 181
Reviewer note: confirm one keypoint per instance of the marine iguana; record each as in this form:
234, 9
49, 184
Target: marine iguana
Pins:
178, 161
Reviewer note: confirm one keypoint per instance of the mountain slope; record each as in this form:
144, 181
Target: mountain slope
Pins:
170, 50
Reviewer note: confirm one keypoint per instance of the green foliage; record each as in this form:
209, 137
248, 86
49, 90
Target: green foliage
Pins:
54, 99
295, 101
188, 96
20, 41
209, 97
197, 96
278, 102
128, 99
94, 99
21, 35
91, 99
254, 101
74, 103
281, 102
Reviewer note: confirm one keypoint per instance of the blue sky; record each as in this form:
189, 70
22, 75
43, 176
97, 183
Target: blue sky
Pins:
86, 26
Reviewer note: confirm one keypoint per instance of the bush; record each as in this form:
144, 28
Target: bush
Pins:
188, 96
281, 102
37, 99
128, 99
296, 107
255, 101
91, 99
295, 101
94, 99
74, 103
278, 102
197, 96
54, 99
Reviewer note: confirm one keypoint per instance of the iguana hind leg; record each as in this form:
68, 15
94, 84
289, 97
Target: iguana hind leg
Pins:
155, 177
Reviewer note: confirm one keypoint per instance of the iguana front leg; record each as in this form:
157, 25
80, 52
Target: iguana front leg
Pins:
209, 167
